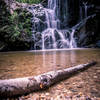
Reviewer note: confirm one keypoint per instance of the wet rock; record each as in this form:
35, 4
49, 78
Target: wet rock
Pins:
95, 76
95, 93
86, 36
73, 90
2, 46
79, 86
38, 19
68, 97
47, 94
98, 44
87, 98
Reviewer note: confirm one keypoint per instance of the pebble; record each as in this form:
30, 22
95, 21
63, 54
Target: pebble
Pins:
95, 77
79, 86
87, 98
47, 94
73, 90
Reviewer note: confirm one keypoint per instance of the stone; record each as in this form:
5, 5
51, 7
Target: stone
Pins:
47, 94
87, 98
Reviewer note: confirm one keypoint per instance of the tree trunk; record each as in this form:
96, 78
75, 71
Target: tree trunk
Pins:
20, 86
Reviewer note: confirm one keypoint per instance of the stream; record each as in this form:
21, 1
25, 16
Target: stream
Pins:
31, 63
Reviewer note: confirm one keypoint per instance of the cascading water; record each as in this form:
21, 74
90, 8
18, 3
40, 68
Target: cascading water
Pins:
85, 8
51, 14
54, 37
54, 26
72, 40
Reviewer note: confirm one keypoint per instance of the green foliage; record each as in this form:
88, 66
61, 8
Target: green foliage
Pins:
20, 24
29, 1
15, 29
16, 26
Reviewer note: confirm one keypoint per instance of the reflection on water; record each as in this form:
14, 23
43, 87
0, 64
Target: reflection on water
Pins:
22, 64
53, 57
72, 57
44, 59
62, 58
49, 60
34, 63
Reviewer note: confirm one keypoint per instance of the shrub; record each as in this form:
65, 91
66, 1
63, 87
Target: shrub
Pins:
29, 1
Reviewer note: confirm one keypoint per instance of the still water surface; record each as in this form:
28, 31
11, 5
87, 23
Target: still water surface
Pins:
22, 64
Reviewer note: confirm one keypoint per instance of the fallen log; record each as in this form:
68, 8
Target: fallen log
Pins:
21, 86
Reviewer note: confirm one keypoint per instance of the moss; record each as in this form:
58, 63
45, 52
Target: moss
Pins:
29, 1
15, 28
17, 24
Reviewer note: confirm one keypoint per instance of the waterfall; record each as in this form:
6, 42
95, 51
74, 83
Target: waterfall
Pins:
43, 46
54, 37
51, 14
85, 9
57, 25
72, 40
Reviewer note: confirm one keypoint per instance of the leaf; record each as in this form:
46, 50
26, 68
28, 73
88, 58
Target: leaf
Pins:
41, 85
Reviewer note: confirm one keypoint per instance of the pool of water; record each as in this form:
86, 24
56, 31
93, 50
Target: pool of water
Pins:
31, 63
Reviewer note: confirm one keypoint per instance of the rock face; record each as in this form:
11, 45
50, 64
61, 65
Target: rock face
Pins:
69, 16
86, 33
38, 24
38, 17
89, 34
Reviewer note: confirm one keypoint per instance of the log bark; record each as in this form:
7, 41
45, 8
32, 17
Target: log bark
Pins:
21, 86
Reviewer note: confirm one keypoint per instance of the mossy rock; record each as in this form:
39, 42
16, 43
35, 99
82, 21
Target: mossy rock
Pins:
15, 29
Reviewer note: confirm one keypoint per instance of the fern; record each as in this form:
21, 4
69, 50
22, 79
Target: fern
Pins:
29, 1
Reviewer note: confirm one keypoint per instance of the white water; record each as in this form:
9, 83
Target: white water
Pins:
43, 46
50, 36
86, 8
54, 39
72, 40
